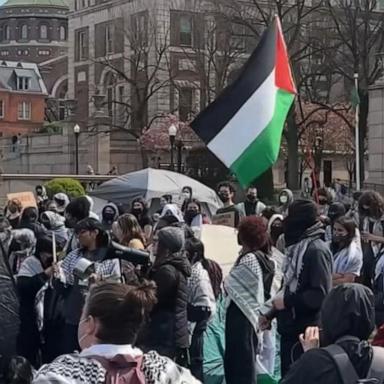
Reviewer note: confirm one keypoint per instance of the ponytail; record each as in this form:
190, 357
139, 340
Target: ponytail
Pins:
121, 309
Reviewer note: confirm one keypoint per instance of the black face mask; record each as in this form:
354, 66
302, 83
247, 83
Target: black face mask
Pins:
108, 217
339, 239
190, 215
251, 198
224, 197
14, 222
137, 211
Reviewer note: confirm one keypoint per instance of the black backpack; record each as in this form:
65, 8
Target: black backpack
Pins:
346, 369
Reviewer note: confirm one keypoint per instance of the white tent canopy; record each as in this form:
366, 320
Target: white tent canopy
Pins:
152, 184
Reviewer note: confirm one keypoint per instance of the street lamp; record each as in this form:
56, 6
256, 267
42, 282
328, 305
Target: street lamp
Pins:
76, 131
172, 131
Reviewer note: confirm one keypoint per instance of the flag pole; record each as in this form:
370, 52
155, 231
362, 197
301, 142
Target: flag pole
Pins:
357, 134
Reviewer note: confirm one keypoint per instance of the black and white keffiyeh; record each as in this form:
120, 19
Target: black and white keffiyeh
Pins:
80, 369
295, 253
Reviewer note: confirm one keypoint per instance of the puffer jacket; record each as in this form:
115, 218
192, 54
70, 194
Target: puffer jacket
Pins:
167, 330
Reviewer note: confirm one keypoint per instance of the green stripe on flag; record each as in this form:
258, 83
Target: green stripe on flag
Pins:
262, 153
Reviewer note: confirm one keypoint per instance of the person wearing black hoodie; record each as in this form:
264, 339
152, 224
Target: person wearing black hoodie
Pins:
307, 279
167, 331
34, 272
29, 220
347, 319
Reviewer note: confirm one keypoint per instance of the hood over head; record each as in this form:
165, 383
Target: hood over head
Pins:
62, 201
273, 219
302, 214
348, 310
172, 211
110, 213
173, 239
287, 192
52, 220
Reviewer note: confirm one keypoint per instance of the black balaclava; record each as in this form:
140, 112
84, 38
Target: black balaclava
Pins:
302, 214
348, 310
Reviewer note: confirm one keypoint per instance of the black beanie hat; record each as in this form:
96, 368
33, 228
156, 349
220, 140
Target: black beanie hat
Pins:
302, 214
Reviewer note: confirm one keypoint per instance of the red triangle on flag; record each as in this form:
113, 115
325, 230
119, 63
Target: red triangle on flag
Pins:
283, 72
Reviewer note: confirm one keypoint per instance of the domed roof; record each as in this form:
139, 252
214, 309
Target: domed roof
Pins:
49, 3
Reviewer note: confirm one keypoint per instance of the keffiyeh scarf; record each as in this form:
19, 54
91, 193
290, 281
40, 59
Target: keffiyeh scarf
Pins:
295, 253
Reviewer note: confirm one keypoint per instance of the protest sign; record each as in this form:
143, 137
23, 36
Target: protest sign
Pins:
27, 199
227, 219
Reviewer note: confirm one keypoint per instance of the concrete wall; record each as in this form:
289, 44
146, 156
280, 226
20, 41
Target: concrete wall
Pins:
55, 154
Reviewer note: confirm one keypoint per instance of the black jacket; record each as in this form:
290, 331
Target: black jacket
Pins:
168, 327
28, 342
347, 312
378, 289
315, 281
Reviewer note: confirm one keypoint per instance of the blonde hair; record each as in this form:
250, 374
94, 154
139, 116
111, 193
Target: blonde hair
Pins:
130, 229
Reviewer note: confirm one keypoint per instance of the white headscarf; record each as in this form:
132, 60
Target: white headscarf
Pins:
172, 210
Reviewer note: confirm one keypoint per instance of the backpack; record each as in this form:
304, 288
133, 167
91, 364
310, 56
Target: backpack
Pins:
122, 369
347, 371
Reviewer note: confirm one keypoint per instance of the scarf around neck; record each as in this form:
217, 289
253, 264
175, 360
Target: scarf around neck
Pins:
295, 254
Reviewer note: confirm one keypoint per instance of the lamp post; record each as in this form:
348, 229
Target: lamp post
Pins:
172, 131
76, 131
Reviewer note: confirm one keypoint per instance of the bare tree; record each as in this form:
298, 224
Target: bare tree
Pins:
297, 21
143, 69
357, 27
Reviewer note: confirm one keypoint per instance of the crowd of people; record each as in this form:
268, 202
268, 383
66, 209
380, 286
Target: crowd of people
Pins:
309, 277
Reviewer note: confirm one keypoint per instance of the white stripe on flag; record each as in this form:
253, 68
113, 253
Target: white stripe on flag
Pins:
249, 121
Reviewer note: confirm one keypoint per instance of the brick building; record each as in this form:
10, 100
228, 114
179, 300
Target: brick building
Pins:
36, 31
22, 98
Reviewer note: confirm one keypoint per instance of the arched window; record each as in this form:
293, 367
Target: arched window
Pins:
63, 33
7, 33
24, 32
43, 32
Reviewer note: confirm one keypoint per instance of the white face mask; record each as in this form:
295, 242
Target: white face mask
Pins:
283, 199
81, 338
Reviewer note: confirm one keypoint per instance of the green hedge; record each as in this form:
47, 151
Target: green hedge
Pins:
71, 187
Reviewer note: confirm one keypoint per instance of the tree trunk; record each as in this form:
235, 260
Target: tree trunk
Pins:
293, 152
264, 185
363, 128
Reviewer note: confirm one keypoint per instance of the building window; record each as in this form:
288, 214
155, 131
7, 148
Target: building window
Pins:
121, 108
7, 33
81, 45
63, 33
108, 39
186, 30
1, 109
43, 32
185, 103
24, 32
23, 83
24, 111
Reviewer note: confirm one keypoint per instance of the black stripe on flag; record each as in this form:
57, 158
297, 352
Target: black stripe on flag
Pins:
258, 67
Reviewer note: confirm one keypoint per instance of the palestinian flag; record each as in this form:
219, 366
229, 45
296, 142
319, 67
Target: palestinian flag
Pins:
244, 125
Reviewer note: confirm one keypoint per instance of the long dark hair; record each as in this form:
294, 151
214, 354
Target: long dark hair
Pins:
350, 226
196, 253
374, 201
